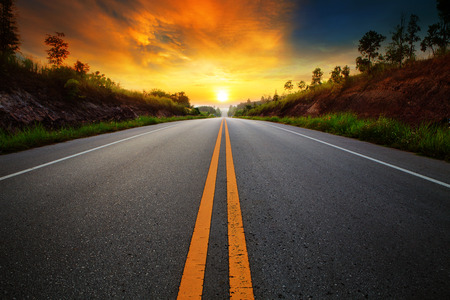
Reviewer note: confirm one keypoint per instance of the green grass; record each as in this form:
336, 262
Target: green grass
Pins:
428, 140
38, 135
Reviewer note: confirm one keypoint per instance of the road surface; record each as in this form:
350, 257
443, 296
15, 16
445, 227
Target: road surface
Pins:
113, 216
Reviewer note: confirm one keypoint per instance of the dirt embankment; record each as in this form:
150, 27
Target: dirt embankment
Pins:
20, 108
417, 93
27, 98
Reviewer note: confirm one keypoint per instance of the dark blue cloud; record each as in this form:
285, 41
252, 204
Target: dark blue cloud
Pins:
112, 11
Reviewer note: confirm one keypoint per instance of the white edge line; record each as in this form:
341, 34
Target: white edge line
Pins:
367, 157
80, 153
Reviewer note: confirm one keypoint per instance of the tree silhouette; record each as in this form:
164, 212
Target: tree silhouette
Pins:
346, 72
443, 7
58, 51
336, 75
398, 49
301, 85
369, 45
288, 85
275, 96
411, 35
181, 98
437, 38
317, 77
362, 64
81, 68
9, 38
432, 40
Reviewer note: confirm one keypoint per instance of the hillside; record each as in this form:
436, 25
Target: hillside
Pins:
62, 97
417, 93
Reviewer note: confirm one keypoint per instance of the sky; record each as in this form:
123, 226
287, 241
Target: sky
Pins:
217, 52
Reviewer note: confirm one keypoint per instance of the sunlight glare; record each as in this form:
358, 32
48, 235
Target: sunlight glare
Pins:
222, 96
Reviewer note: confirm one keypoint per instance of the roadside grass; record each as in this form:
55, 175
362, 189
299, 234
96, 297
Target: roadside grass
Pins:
38, 135
427, 139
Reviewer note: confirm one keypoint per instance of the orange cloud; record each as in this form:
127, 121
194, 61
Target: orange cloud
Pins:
197, 46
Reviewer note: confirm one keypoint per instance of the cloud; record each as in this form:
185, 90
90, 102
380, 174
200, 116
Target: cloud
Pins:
173, 44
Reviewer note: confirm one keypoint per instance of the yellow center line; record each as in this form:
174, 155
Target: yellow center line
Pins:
239, 267
191, 285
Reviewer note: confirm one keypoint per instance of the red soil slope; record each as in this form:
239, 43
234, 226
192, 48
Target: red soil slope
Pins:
418, 93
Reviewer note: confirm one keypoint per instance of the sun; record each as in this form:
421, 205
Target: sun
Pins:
222, 96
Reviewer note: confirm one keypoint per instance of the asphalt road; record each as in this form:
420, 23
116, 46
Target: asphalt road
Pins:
112, 216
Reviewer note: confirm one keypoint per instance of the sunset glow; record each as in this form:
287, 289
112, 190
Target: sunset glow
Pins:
251, 47
222, 96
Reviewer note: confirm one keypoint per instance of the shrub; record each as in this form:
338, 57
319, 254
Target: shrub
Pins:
72, 88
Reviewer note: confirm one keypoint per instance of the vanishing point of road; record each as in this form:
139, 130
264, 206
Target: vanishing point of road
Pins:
223, 208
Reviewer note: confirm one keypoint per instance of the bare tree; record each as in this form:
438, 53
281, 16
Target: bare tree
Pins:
411, 35
398, 48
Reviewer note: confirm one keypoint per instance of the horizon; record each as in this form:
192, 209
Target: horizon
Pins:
220, 53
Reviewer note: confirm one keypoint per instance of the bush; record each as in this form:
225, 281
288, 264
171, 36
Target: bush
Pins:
72, 88
60, 75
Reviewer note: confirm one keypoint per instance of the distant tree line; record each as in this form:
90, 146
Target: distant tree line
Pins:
210, 110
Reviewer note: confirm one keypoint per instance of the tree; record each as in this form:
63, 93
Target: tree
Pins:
362, 64
369, 45
411, 35
211, 110
437, 38
316, 77
58, 51
301, 85
346, 72
9, 38
443, 8
231, 110
432, 40
181, 98
336, 75
81, 68
288, 85
398, 48
275, 96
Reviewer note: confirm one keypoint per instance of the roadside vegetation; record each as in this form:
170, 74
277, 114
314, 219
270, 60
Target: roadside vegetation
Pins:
75, 84
38, 135
372, 64
210, 110
428, 140
396, 100
69, 101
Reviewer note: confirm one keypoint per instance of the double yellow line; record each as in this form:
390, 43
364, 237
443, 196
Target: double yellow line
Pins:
191, 285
